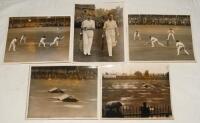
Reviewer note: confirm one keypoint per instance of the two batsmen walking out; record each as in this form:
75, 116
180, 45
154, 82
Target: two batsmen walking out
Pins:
111, 30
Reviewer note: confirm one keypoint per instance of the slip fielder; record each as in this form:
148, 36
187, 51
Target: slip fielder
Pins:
111, 29
180, 46
154, 40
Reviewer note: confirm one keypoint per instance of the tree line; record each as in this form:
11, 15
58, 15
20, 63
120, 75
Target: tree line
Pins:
146, 75
100, 16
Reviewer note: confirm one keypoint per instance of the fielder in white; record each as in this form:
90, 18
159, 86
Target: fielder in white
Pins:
88, 27
23, 38
111, 29
13, 45
171, 34
42, 41
180, 46
56, 40
154, 41
136, 35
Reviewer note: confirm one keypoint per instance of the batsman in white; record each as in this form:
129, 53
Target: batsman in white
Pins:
111, 29
154, 40
171, 34
23, 38
13, 45
42, 41
56, 40
88, 27
136, 35
180, 46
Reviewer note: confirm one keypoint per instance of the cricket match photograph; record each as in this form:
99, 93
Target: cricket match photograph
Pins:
98, 32
100, 61
62, 92
38, 39
140, 91
160, 38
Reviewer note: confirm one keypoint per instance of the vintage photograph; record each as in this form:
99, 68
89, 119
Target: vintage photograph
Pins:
160, 38
38, 39
98, 33
136, 91
62, 92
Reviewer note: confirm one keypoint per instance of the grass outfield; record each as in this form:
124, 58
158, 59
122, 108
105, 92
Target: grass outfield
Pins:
138, 51
30, 52
41, 106
133, 92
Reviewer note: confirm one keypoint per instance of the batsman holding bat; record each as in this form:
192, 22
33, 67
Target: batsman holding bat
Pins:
111, 30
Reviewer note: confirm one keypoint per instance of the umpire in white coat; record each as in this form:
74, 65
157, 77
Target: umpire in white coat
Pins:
88, 27
111, 30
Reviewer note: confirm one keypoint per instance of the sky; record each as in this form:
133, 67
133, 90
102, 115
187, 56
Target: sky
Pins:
132, 68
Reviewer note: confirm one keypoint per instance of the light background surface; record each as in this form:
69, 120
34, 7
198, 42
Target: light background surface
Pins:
185, 77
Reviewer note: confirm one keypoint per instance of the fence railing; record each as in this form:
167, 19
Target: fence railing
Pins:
135, 111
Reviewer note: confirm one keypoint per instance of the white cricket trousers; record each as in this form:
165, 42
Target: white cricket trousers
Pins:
42, 44
136, 36
171, 35
110, 37
24, 41
54, 42
182, 48
87, 41
159, 43
12, 46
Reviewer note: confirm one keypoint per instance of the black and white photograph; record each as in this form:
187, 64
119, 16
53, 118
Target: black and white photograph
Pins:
139, 91
38, 39
98, 32
62, 92
160, 38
